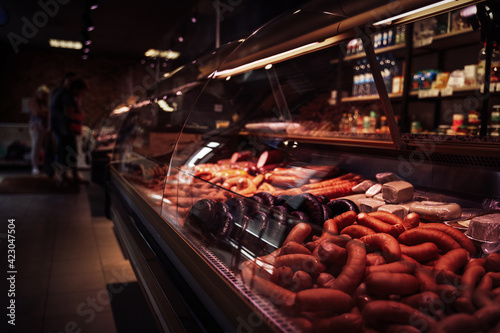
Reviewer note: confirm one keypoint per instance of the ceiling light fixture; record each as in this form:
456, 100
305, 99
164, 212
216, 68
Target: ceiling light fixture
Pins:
167, 54
65, 44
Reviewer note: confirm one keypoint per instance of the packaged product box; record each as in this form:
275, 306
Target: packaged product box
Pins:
470, 75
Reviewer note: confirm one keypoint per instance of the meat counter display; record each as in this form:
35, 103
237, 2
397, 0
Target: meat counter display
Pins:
268, 223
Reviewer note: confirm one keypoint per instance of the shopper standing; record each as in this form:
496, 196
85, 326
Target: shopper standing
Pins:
39, 115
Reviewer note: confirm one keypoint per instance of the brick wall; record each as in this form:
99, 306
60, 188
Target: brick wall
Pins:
110, 79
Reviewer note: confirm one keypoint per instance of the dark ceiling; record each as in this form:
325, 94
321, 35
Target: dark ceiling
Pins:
131, 28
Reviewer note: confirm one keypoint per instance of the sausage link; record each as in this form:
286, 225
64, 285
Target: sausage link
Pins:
456, 234
379, 226
385, 242
422, 235
383, 284
354, 269
421, 252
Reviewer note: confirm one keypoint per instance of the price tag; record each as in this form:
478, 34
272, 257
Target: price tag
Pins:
448, 91
422, 94
433, 93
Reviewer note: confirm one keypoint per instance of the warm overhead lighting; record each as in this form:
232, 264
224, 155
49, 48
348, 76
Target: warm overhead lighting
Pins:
65, 44
167, 54
269, 66
180, 38
164, 106
120, 110
413, 12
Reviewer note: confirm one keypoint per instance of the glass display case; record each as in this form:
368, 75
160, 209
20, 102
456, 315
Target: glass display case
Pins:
297, 205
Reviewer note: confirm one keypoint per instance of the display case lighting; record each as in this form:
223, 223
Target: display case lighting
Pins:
425, 11
65, 44
269, 66
164, 106
167, 54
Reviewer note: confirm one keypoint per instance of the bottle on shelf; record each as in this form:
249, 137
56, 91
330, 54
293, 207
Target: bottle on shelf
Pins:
354, 121
495, 121
369, 82
373, 121
362, 79
356, 80
495, 68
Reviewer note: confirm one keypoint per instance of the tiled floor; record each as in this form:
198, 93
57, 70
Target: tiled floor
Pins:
71, 273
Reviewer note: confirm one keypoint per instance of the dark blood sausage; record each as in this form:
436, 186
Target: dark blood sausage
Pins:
339, 206
380, 226
308, 204
354, 269
420, 235
457, 235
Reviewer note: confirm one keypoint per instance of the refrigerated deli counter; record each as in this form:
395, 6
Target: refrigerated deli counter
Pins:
297, 198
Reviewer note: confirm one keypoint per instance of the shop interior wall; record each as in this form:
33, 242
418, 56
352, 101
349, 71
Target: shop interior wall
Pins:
112, 80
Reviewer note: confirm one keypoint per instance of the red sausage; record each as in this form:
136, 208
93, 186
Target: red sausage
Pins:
298, 233
402, 266
459, 322
338, 223
357, 231
293, 247
345, 323
452, 260
469, 280
354, 269
492, 263
411, 221
332, 253
388, 244
456, 234
387, 217
427, 302
392, 311
323, 299
383, 284
422, 235
278, 295
297, 262
488, 317
379, 226
421, 252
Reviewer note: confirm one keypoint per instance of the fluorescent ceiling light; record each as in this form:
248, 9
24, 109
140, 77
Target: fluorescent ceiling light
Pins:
65, 44
167, 54
413, 12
